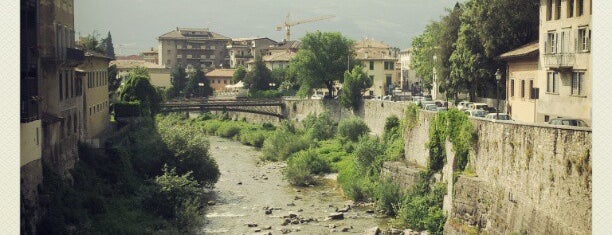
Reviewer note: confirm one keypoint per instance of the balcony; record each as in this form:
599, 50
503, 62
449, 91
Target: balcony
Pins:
72, 57
560, 61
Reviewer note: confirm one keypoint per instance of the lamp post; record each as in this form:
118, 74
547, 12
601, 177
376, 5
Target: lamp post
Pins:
498, 76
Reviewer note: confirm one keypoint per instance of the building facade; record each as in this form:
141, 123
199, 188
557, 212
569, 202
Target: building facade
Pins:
160, 75
565, 53
95, 102
241, 50
408, 78
193, 47
151, 56
278, 55
219, 78
522, 77
378, 60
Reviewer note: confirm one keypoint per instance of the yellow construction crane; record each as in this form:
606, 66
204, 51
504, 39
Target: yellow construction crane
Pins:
287, 25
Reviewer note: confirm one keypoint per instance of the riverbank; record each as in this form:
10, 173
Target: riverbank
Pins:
249, 187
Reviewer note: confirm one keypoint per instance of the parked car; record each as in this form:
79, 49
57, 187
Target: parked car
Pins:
417, 99
442, 109
441, 103
568, 122
430, 107
481, 106
463, 105
476, 113
316, 97
498, 116
426, 102
387, 97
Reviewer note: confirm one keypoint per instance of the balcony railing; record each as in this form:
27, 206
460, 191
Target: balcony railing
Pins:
560, 60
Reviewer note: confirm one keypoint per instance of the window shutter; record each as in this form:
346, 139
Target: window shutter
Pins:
587, 34
576, 41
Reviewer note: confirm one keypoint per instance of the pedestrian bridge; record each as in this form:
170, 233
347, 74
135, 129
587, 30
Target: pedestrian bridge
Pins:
270, 107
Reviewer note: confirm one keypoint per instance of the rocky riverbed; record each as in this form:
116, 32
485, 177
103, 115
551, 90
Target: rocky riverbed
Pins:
251, 197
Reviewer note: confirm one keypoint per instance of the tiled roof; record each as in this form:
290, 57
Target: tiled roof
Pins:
97, 54
279, 56
286, 45
370, 43
178, 34
529, 50
126, 64
374, 54
221, 73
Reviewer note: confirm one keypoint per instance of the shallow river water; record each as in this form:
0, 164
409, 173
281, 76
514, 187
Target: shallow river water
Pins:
247, 187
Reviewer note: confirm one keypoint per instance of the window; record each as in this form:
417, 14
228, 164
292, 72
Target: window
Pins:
512, 88
61, 90
371, 65
71, 84
74, 122
212, 56
66, 86
546, 118
570, 8
584, 39
522, 88
212, 47
178, 46
189, 56
580, 6
531, 89
549, 10
551, 43
577, 81
552, 81
558, 9
388, 65
224, 81
188, 46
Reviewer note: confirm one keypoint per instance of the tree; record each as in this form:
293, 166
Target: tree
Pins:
178, 77
193, 87
259, 78
322, 60
449, 33
138, 88
424, 48
355, 84
488, 29
239, 74
113, 81
91, 43
107, 46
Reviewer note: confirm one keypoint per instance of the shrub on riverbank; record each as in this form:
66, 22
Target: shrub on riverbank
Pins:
283, 142
303, 165
352, 128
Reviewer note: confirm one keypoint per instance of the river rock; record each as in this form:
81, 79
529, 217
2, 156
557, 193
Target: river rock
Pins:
252, 225
345, 229
286, 222
335, 216
291, 204
268, 227
285, 230
239, 182
372, 231
370, 211
345, 209
211, 203
268, 211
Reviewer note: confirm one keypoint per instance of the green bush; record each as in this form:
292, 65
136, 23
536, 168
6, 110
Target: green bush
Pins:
228, 129
422, 210
211, 126
265, 94
319, 127
332, 151
388, 196
352, 128
176, 197
354, 183
302, 165
254, 138
369, 155
283, 142
127, 109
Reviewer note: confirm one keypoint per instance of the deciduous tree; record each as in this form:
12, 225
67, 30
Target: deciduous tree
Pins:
355, 84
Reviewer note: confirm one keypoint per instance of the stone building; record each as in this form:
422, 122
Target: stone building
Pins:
50, 98
565, 82
278, 55
378, 60
408, 78
160, 75
241, 50
522, 70
193, 47
219, 78
96, 121
151, 56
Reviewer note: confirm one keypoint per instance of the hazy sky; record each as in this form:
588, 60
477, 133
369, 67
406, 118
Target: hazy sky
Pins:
136, 24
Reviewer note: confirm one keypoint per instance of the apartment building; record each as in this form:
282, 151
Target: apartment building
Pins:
379, 61
241, 50
565, 53
193, 47
522, 77
95, 112
278, 55
151, 56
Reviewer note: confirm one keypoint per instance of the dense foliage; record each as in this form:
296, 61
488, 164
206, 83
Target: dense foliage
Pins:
322, 60
138, 88
354, 85
259, 78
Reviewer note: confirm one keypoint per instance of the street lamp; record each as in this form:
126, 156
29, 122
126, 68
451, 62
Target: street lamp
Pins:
498, 76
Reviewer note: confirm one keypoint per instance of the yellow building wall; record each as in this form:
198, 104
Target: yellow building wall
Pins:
30, 142
522, 108
96, 104
380, 76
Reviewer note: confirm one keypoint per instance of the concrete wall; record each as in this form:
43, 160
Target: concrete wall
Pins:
522, 108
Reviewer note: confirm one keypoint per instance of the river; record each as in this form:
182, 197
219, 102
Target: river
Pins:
247, 188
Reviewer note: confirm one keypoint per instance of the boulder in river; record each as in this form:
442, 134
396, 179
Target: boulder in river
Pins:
335, 216
252, 225
372, 231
